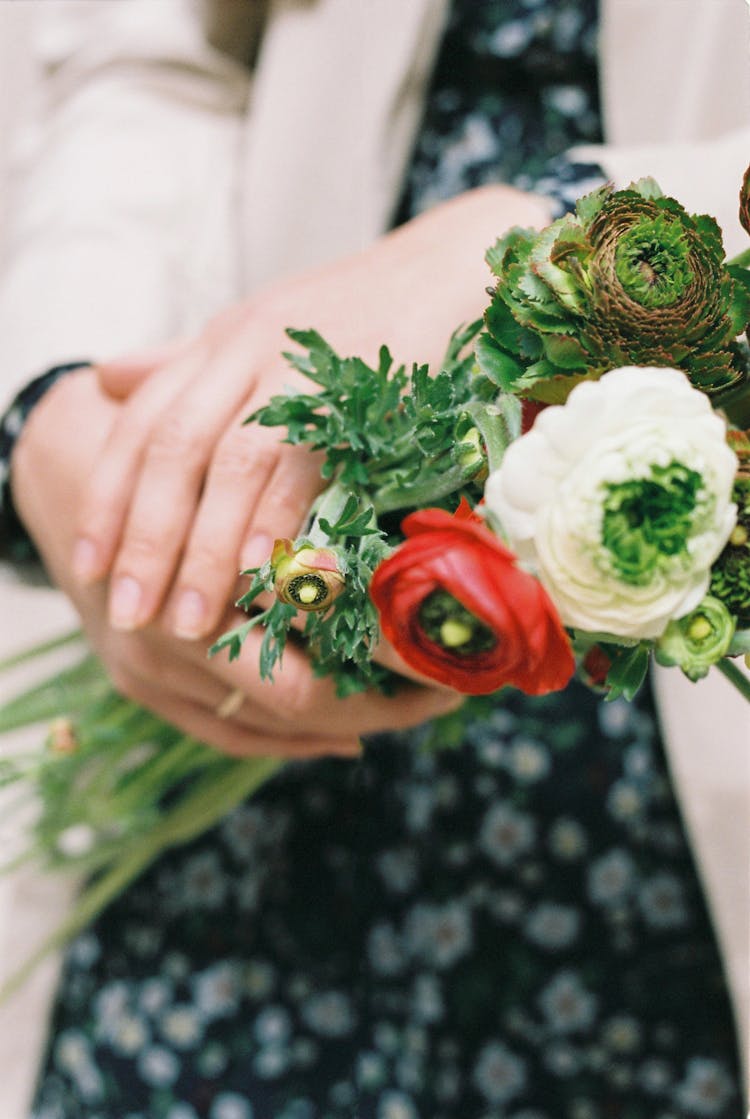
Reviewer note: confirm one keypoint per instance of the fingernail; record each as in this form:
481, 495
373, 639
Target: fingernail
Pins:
257, 550
85, 559
125, 603
190, 615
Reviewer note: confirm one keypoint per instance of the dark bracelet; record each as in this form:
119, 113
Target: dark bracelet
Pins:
16, 545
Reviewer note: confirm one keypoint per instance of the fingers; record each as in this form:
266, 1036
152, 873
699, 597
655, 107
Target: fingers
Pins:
300, 700
120, 377
183, 479
151, 668
250, 470
184, 496
106, 496
142, 499
167, 491
231, 736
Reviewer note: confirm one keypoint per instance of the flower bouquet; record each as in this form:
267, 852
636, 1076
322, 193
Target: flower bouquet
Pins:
568, 494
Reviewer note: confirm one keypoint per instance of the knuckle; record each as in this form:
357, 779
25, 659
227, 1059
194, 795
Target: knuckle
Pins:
98, 504
236, 457
206, 563
141, 545
289, 503
174, 440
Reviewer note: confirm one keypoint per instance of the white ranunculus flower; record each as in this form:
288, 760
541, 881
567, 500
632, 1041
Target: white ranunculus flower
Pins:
620, 500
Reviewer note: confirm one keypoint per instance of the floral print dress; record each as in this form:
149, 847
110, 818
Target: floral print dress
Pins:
508, 929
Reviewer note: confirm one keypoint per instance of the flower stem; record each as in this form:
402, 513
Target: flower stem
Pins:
330, 506
419, 492
209, 802
40, 650
735, 676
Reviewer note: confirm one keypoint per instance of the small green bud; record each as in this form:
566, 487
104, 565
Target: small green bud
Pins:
698, 640
471, 455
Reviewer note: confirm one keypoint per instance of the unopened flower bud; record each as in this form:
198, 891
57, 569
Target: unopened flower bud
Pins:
471, 455
309, 578
62, 737
698, 640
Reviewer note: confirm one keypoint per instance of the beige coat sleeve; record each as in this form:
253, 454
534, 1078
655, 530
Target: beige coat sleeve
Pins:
121, 216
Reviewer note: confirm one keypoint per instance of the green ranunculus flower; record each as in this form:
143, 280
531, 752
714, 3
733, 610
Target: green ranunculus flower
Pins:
698, 640
630, 279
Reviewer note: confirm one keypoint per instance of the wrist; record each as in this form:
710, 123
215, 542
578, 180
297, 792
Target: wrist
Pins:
15, 542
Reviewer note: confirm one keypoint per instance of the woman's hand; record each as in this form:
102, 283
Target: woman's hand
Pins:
183, 495
295, 716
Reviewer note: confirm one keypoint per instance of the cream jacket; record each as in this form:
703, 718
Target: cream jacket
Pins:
106, 249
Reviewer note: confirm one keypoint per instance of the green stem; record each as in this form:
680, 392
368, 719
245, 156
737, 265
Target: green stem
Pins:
208, 803
177, 760
41, 650
420, 492
499, 424
74, 688
735, 676
330, 506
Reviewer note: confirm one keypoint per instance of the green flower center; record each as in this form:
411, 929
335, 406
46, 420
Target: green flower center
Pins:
648, 521
652, 263
449, 624
308, 590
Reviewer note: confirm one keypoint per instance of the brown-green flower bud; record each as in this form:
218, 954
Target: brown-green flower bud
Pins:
660, 293
698, 640
631, 279
745, 201
308, 578
730, 574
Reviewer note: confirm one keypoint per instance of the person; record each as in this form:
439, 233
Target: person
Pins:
504, 931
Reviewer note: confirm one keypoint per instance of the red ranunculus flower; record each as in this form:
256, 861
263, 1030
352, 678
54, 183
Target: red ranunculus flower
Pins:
455, 605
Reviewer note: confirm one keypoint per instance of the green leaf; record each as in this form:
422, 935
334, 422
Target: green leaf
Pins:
234, 639
512, 242
739, 310
647, 187
496, 364
363, 524
565, 352
589, 206
628, 671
